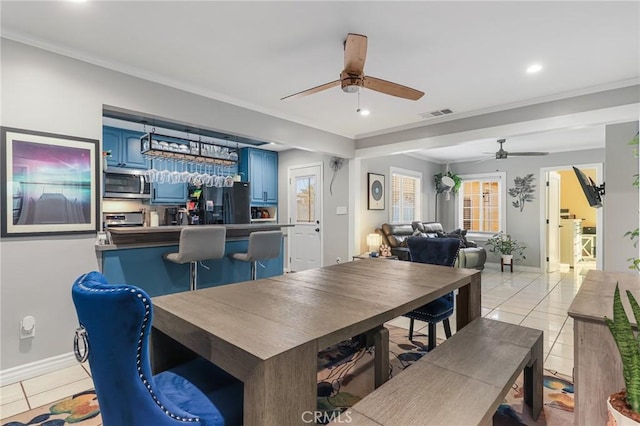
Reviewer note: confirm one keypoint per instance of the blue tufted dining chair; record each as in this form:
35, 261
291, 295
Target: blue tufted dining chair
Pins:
435, 251
115, 321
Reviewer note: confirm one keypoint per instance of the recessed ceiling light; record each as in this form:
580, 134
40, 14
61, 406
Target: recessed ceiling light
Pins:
364, 112
534, 68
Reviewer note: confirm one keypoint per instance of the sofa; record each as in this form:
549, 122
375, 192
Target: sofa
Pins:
394, 235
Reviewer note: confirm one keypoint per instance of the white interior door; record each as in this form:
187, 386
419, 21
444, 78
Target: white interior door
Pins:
305, 208
553, 221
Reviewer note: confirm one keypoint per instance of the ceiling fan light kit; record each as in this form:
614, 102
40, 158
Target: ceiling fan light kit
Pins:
352, 77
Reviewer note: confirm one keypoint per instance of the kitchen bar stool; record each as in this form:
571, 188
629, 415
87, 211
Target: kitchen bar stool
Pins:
198, 243
263, 245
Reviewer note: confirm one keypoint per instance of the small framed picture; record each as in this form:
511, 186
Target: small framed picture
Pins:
376, 192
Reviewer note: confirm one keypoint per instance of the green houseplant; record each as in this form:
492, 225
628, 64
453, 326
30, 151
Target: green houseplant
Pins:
635, 262
626, 402
509, 248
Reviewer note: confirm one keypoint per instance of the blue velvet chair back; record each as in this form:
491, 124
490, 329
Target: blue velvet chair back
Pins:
117, 319
435, 251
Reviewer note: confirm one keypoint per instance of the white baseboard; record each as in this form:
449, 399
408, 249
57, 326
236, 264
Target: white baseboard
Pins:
37, 368
517, 268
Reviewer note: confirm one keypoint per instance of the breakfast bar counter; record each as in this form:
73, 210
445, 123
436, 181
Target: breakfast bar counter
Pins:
134, 255
138, 236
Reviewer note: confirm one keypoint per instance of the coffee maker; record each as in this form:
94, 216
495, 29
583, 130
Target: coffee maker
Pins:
171, 216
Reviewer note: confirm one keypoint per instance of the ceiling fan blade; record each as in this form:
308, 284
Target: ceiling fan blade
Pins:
482, 160
393, 89
355, 53
313, 90
527, 154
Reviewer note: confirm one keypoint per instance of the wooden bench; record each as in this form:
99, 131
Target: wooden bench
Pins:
462, 381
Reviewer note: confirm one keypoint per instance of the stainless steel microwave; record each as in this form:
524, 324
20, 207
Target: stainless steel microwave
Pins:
124, 183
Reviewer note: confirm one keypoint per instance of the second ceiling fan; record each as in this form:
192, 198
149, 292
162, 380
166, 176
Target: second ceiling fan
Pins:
501, 154
352, 77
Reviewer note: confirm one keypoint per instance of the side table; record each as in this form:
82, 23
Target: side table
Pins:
502, 265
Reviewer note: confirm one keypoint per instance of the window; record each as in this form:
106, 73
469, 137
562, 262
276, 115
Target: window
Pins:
305, 199
405, 195
482, 200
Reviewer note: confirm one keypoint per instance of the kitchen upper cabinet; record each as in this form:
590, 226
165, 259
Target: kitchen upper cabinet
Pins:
260, 168
124, 146
168, 193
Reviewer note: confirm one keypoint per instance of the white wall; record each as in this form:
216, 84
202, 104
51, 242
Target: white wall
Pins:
335, 228
47, 92
620, 203
369, 220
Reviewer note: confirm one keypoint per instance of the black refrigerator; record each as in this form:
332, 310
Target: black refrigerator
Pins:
226, 205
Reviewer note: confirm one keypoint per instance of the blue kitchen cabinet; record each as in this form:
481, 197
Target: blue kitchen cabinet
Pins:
260, 168
124, 146
168, 193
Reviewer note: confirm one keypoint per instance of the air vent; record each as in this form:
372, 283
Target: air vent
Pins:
437, 113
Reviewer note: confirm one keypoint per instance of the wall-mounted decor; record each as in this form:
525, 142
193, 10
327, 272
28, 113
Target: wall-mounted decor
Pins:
50, 184
523, 191
376, 192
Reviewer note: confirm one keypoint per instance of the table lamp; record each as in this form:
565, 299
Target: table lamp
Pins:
374, 241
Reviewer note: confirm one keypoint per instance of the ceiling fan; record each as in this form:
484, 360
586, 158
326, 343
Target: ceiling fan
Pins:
352, 77
501, 154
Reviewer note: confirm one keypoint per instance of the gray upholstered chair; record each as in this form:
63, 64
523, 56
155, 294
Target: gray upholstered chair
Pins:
198, 243
263, 245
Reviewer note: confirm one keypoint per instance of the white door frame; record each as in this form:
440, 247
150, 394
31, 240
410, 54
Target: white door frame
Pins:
555, 176
543, 209
289, 204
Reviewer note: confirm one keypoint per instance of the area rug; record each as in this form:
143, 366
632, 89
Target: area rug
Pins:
79, 409
346, 375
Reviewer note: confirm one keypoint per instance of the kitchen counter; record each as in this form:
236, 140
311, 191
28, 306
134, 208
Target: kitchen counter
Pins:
135, 256
157, 236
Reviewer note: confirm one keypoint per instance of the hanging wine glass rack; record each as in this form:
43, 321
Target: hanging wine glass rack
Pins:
162, 146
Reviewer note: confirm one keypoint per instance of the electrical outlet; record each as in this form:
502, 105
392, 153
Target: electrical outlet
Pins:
27, 327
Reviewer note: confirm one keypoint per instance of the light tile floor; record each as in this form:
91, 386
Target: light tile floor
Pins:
529, 299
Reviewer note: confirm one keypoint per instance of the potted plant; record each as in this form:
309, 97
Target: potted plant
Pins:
509, 248
624, 406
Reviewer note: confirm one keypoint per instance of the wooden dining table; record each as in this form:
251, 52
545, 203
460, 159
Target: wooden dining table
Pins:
268, 332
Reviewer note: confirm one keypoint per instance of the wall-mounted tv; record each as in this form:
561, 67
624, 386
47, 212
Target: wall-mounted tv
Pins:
592, 192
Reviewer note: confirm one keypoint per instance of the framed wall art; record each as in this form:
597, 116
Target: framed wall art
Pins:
50, 183
376, 191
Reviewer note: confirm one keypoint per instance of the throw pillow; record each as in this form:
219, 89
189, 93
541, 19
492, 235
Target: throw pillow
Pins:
459, 234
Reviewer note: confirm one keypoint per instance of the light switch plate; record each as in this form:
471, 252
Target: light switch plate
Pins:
341, 210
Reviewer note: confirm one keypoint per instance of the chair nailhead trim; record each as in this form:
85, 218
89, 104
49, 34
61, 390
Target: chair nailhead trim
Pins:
147, 313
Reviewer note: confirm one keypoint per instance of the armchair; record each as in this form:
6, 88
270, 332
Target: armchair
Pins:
115, 321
